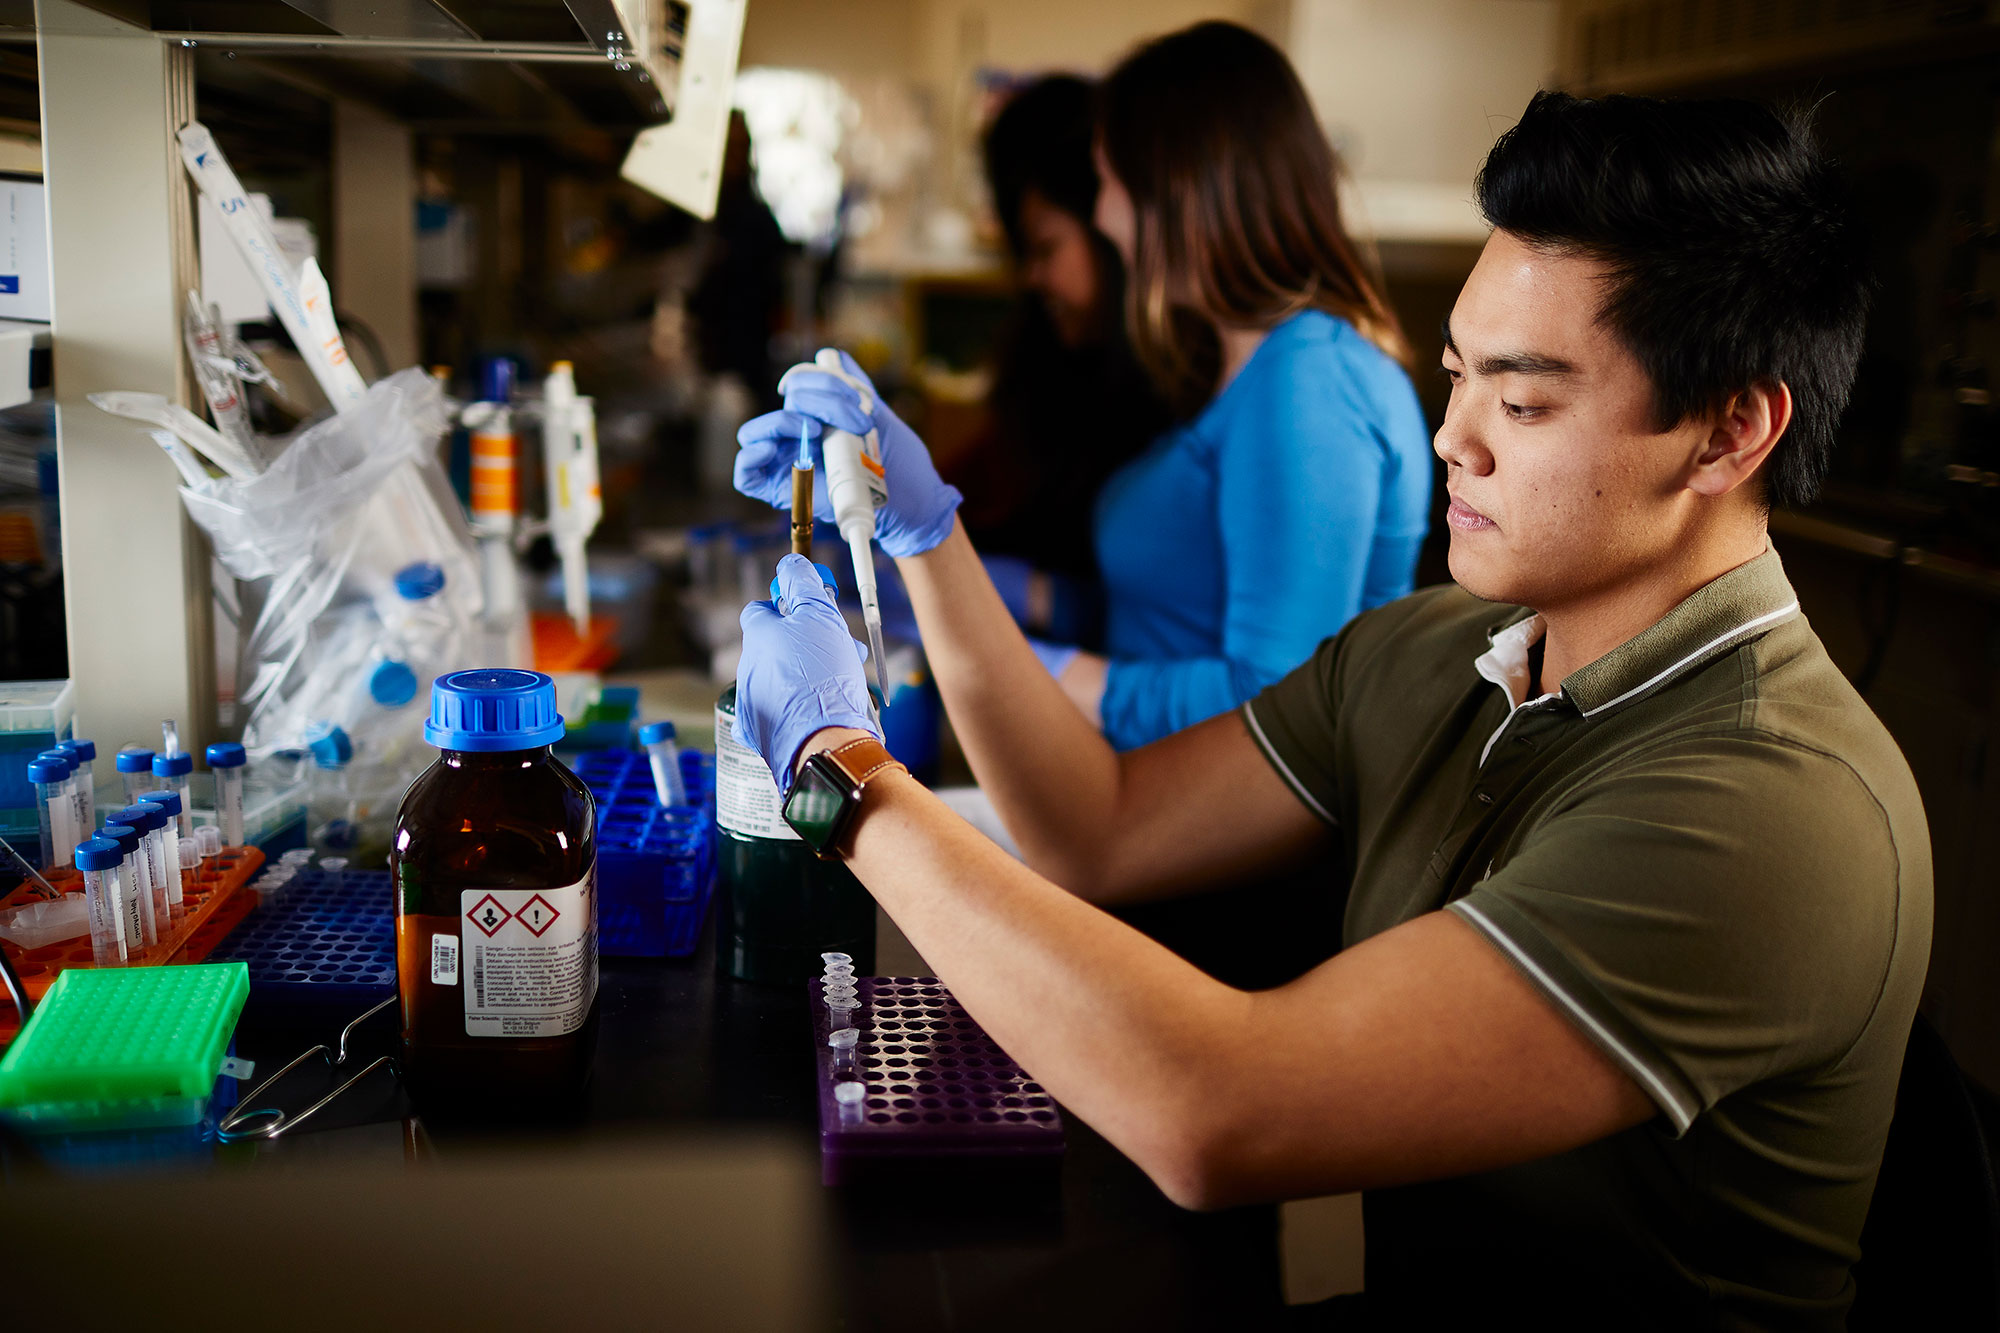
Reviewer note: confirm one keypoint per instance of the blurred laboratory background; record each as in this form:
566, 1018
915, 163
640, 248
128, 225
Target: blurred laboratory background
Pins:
489, 189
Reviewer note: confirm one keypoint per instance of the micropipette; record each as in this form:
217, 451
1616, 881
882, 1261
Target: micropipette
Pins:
856, 487
576, 503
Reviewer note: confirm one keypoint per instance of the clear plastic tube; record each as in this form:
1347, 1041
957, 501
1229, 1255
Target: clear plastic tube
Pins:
208, 844
664, 755
136, 900
48, 796
135, 770
107, 921
229, 804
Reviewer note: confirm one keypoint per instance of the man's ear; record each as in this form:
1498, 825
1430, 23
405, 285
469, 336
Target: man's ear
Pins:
1750, 424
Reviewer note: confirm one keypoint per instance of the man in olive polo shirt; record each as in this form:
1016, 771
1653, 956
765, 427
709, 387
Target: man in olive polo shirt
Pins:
1637, 889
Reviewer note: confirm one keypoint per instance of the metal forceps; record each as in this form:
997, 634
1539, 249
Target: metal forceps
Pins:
230, 1129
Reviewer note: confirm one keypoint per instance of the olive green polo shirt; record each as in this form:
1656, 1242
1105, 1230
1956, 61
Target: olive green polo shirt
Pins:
1707, 853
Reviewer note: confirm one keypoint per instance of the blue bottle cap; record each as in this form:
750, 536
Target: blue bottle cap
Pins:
496, 380
226, 754
125, 835
654, 732
168, 801
145, 816
418, 581
392, 684
63, 757
134, 761
98, 854
47, 770
84, 750
329, 745
493, 708
173, 765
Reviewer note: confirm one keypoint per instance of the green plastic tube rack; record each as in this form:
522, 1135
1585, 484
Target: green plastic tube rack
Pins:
125, 1034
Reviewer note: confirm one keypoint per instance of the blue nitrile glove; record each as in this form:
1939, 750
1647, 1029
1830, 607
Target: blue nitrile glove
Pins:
1053, 656
918, 514
800, 671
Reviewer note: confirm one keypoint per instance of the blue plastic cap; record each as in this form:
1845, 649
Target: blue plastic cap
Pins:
168, 801
135, 761
418, 581
654, 732
63, 757
145, 816
493, 708
173, 765
47, 770
124, 835
83, 750
496, 380
330, 746
226, 754
98, 854
392, 684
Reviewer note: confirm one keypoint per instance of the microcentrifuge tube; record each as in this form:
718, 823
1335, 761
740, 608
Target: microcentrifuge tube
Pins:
208, 843
835, 959
843, 1039
849, 1095
190, 857
333, 866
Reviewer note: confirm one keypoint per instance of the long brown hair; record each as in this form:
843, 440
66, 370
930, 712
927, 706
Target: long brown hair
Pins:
1233, 189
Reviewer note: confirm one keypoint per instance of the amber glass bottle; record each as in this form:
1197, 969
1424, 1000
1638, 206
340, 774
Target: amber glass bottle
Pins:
495, 865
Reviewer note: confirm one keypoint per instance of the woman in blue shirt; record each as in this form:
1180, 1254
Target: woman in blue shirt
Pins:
1306, 464
1302, 463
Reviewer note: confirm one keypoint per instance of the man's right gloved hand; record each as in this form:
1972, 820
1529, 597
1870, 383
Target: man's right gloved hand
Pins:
921, 507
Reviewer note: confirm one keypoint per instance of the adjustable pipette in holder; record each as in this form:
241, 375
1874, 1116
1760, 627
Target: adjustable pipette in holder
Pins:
856, 487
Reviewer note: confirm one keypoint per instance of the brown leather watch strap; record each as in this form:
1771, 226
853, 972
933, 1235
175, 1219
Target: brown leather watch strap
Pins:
862, 759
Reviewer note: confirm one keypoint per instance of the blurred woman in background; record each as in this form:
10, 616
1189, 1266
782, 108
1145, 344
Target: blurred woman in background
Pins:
1069, 402
1296, 491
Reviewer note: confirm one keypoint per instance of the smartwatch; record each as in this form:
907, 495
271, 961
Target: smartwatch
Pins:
826, 795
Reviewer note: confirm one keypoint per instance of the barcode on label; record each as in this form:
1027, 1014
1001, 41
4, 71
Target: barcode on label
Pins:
444, 960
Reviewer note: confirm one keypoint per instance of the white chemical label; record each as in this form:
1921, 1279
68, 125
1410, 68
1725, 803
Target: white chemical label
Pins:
530, 959
746, 796
444, 960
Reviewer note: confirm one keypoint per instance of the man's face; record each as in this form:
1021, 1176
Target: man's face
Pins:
1562, 491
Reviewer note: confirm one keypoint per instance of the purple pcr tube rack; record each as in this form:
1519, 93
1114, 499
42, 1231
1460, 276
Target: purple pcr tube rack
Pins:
937, 1088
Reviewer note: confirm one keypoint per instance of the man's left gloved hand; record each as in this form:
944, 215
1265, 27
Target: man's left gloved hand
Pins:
800, 671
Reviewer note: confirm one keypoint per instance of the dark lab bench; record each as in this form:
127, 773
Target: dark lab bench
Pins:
685, 1193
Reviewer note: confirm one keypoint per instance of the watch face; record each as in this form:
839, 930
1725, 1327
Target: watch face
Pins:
815, 804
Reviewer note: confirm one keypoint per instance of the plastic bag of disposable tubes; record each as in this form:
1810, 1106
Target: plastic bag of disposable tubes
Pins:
320, 538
